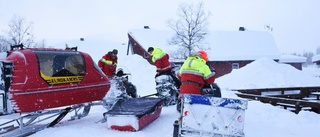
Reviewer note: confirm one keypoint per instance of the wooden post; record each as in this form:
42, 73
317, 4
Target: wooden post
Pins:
297, 108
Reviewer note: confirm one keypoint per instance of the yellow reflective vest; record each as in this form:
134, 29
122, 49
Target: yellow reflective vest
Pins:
157, 54
196, 65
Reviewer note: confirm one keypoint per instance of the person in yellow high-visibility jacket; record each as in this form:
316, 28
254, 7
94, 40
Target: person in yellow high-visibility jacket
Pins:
195, 73
163, 66
160, 60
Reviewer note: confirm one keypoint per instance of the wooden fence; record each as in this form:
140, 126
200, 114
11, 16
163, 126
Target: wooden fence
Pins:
294, 98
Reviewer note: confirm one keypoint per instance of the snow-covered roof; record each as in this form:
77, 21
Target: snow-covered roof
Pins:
316, 58
292, 59
242, 45
221, 45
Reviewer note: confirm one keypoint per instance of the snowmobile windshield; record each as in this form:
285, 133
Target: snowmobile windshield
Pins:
61, 67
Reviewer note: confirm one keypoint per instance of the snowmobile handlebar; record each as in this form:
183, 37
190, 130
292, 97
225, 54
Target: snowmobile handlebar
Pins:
122, 74
125, 74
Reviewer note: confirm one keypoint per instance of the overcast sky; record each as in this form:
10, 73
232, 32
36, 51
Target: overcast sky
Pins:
295, 22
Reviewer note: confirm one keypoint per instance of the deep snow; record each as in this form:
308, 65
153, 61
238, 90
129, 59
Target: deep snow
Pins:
261, 120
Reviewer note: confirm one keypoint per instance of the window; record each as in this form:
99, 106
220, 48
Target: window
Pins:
235, 65
61, 67
97, 67
53, 63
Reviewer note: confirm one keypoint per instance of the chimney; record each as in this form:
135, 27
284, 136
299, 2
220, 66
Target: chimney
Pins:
146, 27
242, 29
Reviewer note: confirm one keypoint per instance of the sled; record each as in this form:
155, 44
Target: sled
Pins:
210, 116
133, 114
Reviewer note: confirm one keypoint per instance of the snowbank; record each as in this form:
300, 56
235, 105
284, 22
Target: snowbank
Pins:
266, 73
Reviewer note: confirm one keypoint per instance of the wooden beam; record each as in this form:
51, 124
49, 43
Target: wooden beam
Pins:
275, 100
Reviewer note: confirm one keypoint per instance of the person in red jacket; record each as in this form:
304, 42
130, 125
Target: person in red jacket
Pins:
195, 73
108, 63
161, 61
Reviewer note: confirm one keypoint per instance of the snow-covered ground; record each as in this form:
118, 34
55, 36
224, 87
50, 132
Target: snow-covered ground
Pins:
261, 120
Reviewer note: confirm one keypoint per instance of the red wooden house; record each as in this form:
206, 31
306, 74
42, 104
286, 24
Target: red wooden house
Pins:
316, 59
293, 60
227, 50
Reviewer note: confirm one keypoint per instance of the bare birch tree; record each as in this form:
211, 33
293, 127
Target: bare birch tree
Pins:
190, 29
20, 32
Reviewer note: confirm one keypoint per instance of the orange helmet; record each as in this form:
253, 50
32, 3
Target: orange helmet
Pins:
203, 54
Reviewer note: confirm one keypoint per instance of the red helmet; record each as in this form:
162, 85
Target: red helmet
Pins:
203, 54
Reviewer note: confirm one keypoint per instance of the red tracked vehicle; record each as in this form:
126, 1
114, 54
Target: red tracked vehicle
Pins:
44, 85
49, 78
36, 81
